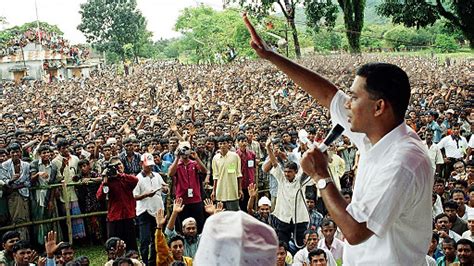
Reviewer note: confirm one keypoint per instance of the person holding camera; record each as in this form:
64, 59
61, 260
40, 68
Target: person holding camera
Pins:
117, 187
187, 184
148, 194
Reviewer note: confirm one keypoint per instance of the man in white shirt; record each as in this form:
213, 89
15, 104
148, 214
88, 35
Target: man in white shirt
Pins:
311, 239
453, 148
434, 152
329, 242
469, 234
148, 195
388, 221
289, 194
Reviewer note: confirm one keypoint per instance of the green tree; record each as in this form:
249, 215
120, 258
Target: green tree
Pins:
353, 14
262, 9
421, 13
210, 35
445, 43
7, 34
110, 24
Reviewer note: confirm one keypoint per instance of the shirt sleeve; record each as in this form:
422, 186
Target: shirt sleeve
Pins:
277, 173
239, 166
339, 116
137, 191
215, 171
163, 256
385, 200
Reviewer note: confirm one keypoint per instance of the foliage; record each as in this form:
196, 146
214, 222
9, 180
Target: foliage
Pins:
325, 40
263, 8
401, 37
10, 33
210, 36
446, 44
353, 11
110, 24
421, 13
320, 14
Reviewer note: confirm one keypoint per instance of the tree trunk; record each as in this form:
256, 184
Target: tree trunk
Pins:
294, 32
354, 42
353, 21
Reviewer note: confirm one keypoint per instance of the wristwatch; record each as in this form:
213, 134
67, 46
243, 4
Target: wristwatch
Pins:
322, 183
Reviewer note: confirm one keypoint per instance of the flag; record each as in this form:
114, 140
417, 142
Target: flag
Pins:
180, 88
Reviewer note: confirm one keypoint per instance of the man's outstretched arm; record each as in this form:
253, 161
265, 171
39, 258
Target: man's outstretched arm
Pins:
317, 86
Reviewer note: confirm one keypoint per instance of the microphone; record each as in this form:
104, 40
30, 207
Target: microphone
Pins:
335, 133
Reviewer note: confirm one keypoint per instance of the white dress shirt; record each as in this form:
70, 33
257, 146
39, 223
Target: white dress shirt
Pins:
146, 184
436, 157
286, 197
392, 195
302, 257
336, 248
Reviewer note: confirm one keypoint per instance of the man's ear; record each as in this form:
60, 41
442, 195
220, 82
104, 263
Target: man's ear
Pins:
380, 107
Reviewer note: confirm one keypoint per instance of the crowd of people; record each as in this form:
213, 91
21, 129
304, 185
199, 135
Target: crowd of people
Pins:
50, 40
204, 140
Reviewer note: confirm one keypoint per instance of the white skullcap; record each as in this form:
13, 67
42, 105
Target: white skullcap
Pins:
188, 220
236, 238
264, 201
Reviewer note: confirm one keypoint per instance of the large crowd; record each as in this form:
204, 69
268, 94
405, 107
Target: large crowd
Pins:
171, 150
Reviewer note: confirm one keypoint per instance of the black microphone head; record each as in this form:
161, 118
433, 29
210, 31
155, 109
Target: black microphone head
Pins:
335, 133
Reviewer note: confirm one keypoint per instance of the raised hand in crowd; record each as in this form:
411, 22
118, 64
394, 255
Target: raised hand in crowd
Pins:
160, 219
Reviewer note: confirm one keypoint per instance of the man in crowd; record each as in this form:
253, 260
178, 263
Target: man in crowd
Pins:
436, 157
148, 195
187, 185
449, 250
130, 159
465, 252
117, 187
248, 163
453, 148
329, 242
264, 206
311, 243
9, 239
226, 170
18, 181
458, 225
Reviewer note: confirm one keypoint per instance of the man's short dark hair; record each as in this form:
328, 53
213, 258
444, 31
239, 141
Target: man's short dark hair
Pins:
283, 244
241, 137
464, 241
3, 151
388, 82
457, 190
14, 147
175, 238
451, 204
292, 166
22, 244
62, 246
440, 216
317, 252
62, 143
310, 232
43, 148
328, 221
463, 183
439, 181
449, 240
9, 235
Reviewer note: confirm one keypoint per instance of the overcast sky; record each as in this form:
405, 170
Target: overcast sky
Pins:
160, 14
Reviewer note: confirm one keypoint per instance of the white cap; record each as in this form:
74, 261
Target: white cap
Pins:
264, 201
449, 111
188, 220
147, 159
236, 238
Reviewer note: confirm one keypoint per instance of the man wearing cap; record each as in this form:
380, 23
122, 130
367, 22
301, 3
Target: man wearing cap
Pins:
187, 185
448, 119
189, 229
469, 234
264, 206
453, 148
148, 195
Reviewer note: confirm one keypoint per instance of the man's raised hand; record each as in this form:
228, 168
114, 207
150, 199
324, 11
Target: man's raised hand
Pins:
256, 42
178, 205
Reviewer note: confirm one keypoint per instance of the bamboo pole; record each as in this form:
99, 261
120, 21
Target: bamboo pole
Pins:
67, 205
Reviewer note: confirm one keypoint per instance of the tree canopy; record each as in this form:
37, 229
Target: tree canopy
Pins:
421, 13
115, 26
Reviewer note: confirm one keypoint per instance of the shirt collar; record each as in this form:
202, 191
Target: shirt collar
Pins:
391, 137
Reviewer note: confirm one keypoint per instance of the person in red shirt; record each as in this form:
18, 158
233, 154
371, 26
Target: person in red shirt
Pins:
187, 185
117, 188
248, 164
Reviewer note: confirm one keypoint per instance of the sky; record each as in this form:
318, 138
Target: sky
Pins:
160, 14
